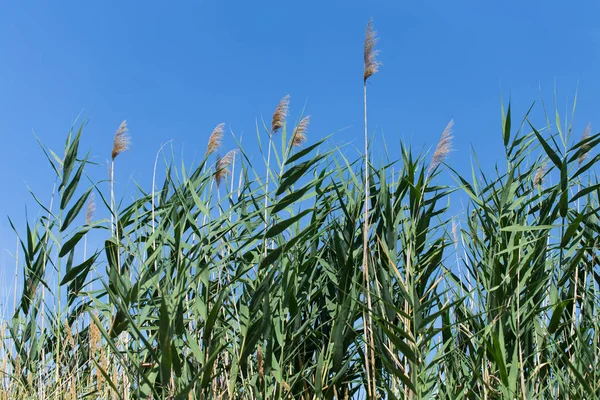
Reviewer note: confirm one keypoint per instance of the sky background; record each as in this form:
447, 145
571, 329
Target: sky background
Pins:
176, 69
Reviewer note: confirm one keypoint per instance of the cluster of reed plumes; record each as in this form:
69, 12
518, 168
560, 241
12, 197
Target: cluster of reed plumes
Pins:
315, 276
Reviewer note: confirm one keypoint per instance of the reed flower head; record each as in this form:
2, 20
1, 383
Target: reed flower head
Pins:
299, 135
443, 148
222, 166
121, 141
585, 147
455, 231
94, 336
370, 54
259, 358
215, 140
91, 207
69, 332
538, 179
280, 113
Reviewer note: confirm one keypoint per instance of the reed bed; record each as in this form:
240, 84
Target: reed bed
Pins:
315, 275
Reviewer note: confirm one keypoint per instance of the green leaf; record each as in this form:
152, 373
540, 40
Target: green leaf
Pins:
70, 190
293, 197
556, 316
164, 339
296, 172
70, 157
585, 191
551, 153
68, 246
564, 194
521, 228
571, 230
74, 211
272, 256
506, 130
283, 225
82, 268
303, 152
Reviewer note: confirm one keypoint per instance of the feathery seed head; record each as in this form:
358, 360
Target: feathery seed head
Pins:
455, 231
299, 135
222, 166
216, 137
443, 148
585, 147
280, 114
91, 207
70, 338
538, 179
259, 359
94, 336
121, 141
370, 54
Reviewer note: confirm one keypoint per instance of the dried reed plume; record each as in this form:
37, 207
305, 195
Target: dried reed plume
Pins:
371, 63
443, 148
280, 113
102, 366
216, 137
585, 147
94, 345
222, 166
94, 335
122, 141
91, 207
455, 231
299, 135
259, 359
70, 338
538, 179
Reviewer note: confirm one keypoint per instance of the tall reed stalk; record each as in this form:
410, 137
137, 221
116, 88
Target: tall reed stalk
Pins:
371, 66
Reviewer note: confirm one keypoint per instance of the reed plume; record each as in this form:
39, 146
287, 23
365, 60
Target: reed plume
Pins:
215, 140
585, 147
91, 208
538, 179
443, 148
455, 232
299, 135
69, 333
122, 141
222, 166
259, 359
370, 54
280, 114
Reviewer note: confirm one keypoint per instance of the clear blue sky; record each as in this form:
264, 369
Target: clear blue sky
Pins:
176, 69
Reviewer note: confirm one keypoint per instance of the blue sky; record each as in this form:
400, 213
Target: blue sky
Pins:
176, 69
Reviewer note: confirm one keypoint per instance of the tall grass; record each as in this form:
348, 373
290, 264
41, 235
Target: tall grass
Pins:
305, 280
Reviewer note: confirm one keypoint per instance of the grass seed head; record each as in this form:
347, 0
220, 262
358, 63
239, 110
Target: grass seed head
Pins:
585, 147
538, 179
455, 231
215, 140
444, 147
259, 358
299, 135
370, 54
121, 141
222, 166
280, 114
91, 207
